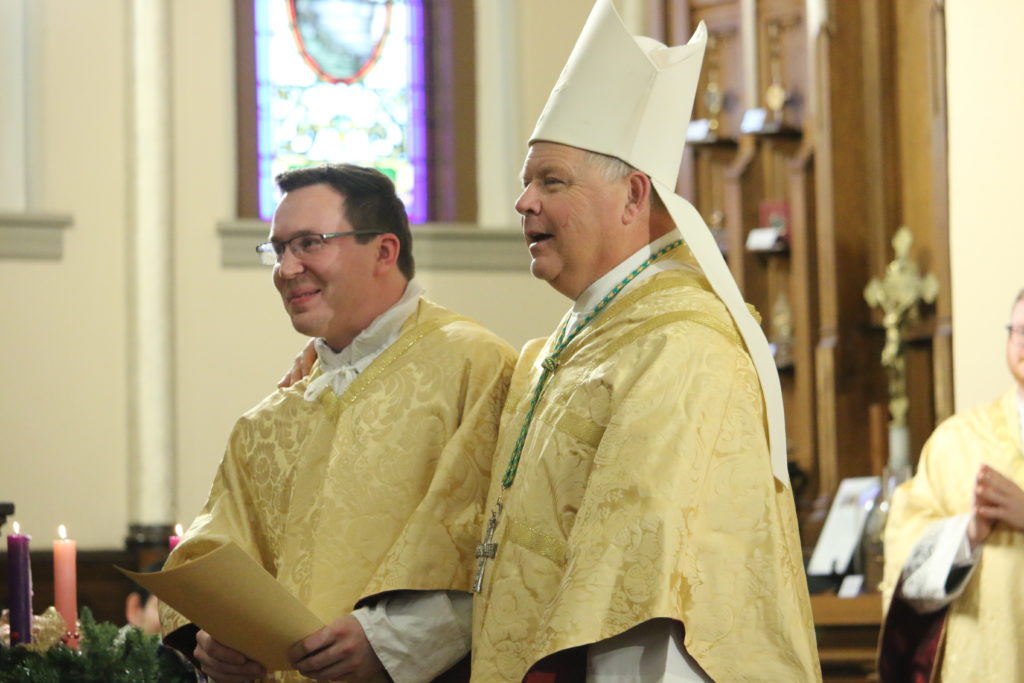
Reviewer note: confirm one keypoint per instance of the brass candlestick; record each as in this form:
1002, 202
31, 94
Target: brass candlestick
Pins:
782, 331
775, 95
714, 97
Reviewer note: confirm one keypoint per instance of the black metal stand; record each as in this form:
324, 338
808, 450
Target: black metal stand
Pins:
6, 510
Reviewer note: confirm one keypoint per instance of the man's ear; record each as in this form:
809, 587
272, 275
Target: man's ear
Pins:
638, 196
388, 248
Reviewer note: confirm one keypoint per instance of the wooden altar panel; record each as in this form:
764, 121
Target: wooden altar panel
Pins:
865, 112
847, 364
723, 60
865, 152
803, 286
712, 164
782, 36
729, 180
919, 65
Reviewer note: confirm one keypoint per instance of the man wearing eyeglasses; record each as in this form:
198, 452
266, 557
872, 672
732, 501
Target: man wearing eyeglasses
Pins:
954, 544
361, 486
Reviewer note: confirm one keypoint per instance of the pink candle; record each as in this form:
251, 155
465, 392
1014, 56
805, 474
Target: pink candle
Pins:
174, 540
19, 586
65, 579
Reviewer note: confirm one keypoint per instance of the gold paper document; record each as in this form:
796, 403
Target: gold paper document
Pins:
230, 596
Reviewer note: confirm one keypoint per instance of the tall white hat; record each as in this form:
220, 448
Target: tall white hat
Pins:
630, 97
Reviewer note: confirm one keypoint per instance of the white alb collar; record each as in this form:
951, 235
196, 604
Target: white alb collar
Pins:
593, 294
340, 368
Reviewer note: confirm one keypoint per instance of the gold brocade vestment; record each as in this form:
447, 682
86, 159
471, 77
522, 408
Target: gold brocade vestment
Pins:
380, 489
645, 490
984, 637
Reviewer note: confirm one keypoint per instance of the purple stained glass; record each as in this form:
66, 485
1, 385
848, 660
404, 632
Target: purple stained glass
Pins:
341, 81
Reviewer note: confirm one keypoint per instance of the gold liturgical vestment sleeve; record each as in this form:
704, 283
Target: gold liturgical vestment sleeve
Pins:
645, 490
380, 489
984, 638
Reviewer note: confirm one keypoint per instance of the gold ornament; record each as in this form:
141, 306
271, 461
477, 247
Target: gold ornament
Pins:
898, 295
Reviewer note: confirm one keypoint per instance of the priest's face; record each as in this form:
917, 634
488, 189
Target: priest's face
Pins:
327, 293
1015, 344
571, 217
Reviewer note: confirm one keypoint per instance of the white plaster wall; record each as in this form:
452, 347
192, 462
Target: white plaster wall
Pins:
547, 33
63, 402
986, 150
228, 322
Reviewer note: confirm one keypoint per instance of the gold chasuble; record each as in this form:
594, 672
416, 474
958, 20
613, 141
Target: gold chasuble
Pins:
645, 490
984, 635
380, 489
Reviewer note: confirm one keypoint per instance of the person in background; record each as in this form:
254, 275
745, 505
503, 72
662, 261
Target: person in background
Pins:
954, 544
141, 608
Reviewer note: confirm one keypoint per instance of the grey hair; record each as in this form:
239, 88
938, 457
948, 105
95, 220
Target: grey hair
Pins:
1020, 297
612, 169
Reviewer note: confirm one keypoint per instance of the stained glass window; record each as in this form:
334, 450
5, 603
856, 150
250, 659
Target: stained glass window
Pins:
341, 81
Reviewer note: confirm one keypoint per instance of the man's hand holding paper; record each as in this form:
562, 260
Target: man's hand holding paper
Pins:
223, 664
340, 650
241, 608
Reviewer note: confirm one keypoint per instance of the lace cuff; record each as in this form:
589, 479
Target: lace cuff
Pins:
942, 548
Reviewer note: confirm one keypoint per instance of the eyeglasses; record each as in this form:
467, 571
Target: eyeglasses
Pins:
301, 245
1016, 331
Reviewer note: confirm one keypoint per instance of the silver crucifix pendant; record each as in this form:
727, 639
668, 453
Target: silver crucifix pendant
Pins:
487, 550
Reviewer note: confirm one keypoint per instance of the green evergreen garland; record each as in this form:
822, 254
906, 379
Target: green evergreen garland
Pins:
105, 654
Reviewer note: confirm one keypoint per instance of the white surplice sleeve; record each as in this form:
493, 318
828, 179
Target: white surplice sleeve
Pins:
939, 565
652, 652
418, 635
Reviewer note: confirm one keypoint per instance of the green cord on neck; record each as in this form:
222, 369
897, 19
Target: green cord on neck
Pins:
550, 363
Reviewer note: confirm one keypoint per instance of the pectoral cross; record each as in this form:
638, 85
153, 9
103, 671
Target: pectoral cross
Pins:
487, 550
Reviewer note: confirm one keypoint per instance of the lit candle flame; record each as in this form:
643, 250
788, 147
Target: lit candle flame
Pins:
62, 532
17, 528
178, 530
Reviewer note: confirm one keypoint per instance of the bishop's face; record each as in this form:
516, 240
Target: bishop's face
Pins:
1015, 345
571, 217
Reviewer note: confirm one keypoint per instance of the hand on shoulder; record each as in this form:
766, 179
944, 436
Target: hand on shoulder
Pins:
301, 366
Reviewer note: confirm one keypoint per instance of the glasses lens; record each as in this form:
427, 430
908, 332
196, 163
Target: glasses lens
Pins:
306, 244
267, 254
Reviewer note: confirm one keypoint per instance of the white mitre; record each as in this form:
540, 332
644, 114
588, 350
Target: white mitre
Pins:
631, 97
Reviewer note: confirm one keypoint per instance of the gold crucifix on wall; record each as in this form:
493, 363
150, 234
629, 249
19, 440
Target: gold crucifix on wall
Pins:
898, 295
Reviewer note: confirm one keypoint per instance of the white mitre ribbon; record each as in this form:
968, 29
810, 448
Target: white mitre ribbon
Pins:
340, 368
631, 97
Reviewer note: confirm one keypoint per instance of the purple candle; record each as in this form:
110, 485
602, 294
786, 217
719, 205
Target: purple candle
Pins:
19, 584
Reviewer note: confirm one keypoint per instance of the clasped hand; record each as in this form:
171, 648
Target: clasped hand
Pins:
340, 650
996, 499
